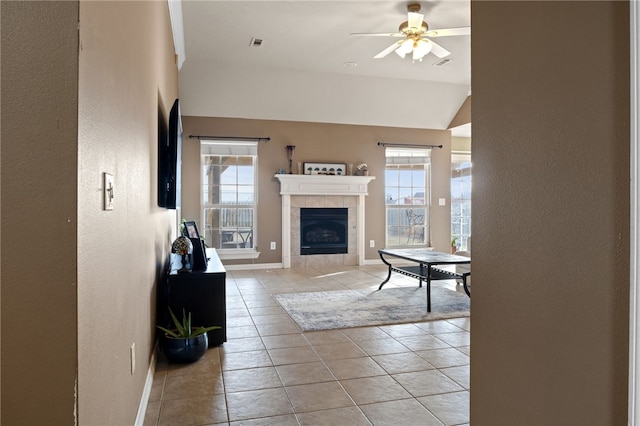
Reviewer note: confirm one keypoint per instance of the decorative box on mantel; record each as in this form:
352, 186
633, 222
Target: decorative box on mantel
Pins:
322, 185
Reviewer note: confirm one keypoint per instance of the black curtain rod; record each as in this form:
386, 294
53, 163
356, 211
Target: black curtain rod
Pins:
230, 138
408, 145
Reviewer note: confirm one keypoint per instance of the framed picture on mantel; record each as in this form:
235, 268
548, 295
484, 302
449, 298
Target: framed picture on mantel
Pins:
336, 169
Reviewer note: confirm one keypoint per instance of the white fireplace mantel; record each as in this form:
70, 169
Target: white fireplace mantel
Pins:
321, 185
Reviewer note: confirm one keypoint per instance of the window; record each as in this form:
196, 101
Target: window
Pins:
229, 197
461, 199
408, 196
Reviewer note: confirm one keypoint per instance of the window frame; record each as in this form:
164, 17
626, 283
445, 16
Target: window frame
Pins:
458, 158
413, 159
238, 149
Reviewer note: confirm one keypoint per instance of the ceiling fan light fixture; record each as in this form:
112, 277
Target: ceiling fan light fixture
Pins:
400, 52
406, 29
420, 49
406, 46
415, 21
417, 37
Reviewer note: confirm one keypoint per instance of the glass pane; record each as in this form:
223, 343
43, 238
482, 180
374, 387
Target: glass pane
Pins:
211, 194
211, 175
393, 217
228, 194
404, 177
394, 236
391, 177
391, 195
244, 160
228, 174
212, 159
245, 195
227, 218
228, 239
418, 196
245, 175
461, 203
405, 196
211, 225
245, 218
418, 176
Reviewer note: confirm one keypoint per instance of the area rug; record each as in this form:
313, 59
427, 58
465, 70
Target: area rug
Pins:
326, 310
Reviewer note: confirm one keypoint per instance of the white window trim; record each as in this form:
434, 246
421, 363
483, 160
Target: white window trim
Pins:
232, 254
409, 156
238, 253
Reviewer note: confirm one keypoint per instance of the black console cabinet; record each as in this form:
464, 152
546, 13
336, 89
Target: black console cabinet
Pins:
202, 294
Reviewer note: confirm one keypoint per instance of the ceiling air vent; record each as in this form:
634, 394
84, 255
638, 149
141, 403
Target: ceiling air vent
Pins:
442, 63
256, 42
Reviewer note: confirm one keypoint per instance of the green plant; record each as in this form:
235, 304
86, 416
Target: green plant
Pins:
453, 241
183, 329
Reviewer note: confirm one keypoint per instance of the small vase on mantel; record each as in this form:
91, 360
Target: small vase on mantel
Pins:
290, 149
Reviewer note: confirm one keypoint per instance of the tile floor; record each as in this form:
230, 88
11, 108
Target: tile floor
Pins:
269, 372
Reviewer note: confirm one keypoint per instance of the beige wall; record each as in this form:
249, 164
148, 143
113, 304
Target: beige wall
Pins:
550, 213
127, 72
79, 283
318, 142
463, 116
39, 186
461, 145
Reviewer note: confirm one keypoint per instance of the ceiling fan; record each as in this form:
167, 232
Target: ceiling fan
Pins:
416, 37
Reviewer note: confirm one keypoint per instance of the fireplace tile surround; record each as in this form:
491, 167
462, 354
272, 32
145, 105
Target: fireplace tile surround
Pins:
319, 260
317, 191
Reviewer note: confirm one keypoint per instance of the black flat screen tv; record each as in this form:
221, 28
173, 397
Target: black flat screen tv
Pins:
170, 160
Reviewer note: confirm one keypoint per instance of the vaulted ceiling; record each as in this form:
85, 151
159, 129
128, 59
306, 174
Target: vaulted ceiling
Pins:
309, 67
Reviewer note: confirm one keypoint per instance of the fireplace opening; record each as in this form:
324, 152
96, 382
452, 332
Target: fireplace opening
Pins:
323, 230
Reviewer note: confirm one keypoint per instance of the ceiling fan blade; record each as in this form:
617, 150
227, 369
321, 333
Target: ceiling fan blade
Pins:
445, 32
415, 20
388, 50
378, 34
438, 50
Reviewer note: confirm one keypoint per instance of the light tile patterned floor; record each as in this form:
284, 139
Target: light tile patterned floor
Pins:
270, 372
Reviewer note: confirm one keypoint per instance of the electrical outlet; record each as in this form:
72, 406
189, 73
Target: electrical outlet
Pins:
132, 355
273, 245
372, 243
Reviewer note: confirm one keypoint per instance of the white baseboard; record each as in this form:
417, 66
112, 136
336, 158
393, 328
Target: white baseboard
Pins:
249, 266
146, 392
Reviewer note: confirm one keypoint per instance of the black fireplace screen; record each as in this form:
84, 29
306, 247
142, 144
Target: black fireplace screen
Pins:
323, 230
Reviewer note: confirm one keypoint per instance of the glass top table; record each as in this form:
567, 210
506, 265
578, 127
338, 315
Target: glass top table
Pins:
427, 268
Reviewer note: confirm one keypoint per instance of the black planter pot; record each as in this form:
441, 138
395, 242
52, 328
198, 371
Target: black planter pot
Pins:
184, 350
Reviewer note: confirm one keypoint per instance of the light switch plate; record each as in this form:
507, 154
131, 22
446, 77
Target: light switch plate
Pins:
442, 201
132, 356
107, 191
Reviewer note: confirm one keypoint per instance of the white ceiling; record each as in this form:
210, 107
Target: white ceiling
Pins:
299, 72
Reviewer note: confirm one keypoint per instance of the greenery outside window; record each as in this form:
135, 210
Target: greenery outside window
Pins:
229, 193
407, 197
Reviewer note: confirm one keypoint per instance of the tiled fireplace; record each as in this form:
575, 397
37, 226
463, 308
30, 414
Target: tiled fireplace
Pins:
319, 192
